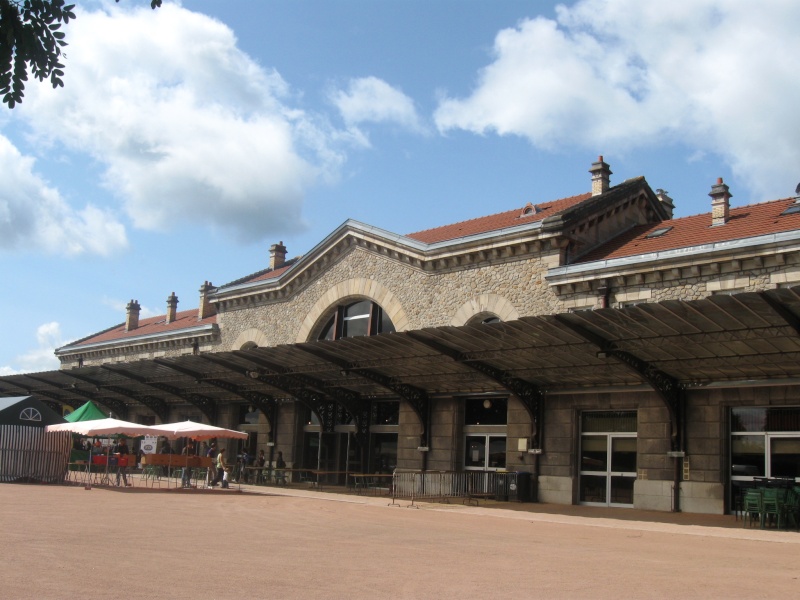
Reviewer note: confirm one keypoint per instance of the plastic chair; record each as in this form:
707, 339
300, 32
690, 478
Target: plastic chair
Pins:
752, 506
772, 502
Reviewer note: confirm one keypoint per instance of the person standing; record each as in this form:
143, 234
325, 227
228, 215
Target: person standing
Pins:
220, 478
186, 478
121, 451
212, 470
261, 462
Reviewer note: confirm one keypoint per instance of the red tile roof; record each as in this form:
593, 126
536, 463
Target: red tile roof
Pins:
153, 325
270, 274
509, 218
744, 222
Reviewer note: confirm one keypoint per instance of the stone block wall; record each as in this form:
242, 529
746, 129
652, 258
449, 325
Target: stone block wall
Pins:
427, 299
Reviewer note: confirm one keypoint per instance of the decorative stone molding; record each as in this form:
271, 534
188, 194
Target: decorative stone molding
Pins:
250, 336
353, 288
485, 303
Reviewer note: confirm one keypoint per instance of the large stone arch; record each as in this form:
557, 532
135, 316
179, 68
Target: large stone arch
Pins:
488, 304
250, 337
353, 288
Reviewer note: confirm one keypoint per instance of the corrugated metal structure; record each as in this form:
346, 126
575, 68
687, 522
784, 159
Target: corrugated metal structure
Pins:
27, 453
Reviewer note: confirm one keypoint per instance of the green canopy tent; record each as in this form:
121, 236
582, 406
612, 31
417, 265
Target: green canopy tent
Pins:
87, 412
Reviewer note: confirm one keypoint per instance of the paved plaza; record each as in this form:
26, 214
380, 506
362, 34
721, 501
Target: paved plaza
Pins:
68, 542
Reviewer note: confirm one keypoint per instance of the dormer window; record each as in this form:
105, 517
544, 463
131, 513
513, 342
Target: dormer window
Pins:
658, 232
793, 209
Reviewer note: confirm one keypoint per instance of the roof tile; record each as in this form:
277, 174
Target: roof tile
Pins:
744, 222
509, 218
153, 325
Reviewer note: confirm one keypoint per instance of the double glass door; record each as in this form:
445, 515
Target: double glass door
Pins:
608, 469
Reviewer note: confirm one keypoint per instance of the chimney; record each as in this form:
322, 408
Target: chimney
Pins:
206, 308
720, 205
172, 307
600, 177
666, 202
132, 316
277, 255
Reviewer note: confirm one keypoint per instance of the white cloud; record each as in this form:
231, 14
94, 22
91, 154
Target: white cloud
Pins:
372, 100
187, 128
617, 75
34, 216
42, 358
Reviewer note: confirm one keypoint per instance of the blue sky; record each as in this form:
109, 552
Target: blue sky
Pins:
189, 139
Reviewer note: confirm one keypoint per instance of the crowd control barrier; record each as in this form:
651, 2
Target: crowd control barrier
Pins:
430, 486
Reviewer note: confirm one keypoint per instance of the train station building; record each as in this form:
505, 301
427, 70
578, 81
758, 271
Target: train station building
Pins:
621, 356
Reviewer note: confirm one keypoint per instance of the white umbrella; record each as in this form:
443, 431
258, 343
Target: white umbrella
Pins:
196, 431
101, 427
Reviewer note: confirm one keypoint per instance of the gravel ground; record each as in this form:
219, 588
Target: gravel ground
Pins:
66, 542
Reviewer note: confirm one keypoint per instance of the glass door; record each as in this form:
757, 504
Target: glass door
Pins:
608, 469
608, 458
485, 452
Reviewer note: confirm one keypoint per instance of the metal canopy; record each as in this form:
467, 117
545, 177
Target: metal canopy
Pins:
747, 336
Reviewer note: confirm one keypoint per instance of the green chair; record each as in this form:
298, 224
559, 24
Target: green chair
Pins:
752, 507
772, 502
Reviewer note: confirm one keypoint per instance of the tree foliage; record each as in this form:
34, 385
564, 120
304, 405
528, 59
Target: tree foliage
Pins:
31, 38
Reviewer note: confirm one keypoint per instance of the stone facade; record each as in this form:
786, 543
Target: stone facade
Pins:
507, 274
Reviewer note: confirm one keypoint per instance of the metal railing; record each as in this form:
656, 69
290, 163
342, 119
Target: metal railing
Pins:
440, 486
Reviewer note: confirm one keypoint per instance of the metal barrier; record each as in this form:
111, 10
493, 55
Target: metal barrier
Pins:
442, 485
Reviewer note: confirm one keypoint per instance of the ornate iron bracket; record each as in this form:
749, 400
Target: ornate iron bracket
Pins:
529, 394
157, 405
114, 405
206, 405
416, 397
667, 387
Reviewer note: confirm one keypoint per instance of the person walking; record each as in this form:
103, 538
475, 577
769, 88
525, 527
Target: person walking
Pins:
220, 478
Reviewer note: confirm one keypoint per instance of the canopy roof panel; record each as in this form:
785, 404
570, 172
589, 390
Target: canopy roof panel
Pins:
748, 336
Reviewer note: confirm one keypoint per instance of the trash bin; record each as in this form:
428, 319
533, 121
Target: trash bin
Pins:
501, 486
519, 486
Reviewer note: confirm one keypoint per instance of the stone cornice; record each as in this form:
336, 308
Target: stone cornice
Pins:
706, 260
515, 243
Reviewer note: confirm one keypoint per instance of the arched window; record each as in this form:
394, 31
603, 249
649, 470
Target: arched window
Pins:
484, 318
363, 317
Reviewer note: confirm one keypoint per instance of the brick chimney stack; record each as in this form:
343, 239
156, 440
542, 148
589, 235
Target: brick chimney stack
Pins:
206, 308
666, 202
172, 307
601, 177
277, 255
720, 203
132, 316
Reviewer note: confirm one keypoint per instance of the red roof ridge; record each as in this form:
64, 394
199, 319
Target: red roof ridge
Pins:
184, 319
424, 235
